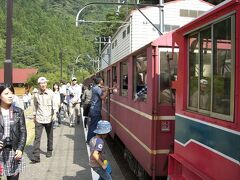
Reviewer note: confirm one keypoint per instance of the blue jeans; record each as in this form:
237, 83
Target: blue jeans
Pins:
93, 125
102, 173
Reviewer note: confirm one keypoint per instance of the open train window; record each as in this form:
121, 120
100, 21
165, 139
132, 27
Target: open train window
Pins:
102, 74
168, 71
211, 54
140, 77
124, 78
114, 80
114, 75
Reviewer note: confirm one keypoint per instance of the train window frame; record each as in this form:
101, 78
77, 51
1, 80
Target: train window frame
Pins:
115, 79
163, 98
214, 59
114, 74
140, 87
124, 91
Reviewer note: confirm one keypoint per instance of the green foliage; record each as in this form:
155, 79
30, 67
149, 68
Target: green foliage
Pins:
42, 28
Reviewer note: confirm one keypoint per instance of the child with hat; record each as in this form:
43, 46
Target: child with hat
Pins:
96, 148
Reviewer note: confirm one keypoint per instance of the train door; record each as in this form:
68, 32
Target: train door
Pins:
108, 98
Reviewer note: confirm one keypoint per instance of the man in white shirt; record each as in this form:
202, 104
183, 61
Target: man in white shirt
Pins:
75, 92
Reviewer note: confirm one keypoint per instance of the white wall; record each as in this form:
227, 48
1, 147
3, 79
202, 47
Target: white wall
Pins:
123, 44
143, 31
172, 10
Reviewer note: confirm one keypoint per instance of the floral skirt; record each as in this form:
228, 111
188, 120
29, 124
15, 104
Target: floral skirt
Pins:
10, 165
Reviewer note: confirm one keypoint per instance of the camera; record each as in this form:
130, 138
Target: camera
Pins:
7, 143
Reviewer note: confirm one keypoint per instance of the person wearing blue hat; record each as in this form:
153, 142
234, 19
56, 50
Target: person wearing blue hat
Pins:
96, 144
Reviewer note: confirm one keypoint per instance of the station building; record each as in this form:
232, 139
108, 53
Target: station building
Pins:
20, 77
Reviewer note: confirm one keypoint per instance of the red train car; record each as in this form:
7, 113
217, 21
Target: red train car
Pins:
207, 129
141, 110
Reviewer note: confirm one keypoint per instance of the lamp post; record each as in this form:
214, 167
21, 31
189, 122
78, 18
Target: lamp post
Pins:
8, 61
62, 50
76, 61
94, 60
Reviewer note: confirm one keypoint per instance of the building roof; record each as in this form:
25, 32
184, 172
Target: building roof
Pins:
19, 75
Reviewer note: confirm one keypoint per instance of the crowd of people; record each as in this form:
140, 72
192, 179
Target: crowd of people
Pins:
52, 106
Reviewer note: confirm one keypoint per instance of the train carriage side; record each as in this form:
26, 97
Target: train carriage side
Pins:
207, 129
142, 109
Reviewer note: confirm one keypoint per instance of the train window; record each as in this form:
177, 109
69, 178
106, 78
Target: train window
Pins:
193, 54
167, 71
128, 29
222, 66
102, 74
140, 77
114, 80
205, 69
211, 72
114, 74
124, 34
124, 78
105, 78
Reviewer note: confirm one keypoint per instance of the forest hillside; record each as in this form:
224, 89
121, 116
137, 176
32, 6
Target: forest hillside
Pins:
44, 34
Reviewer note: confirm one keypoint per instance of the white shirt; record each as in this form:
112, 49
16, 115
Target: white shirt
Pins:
76, 91
63, 89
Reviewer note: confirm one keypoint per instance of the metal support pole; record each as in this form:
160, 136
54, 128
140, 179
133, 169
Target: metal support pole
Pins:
8, 75
99, 52
98, 67
61, 59
161, 16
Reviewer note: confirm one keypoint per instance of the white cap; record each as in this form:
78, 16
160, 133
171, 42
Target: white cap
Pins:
74, 78
204, 81
42, 80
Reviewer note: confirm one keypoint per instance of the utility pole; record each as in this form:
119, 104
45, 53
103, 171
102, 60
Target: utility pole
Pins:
61, 59
8, 61
102, 40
